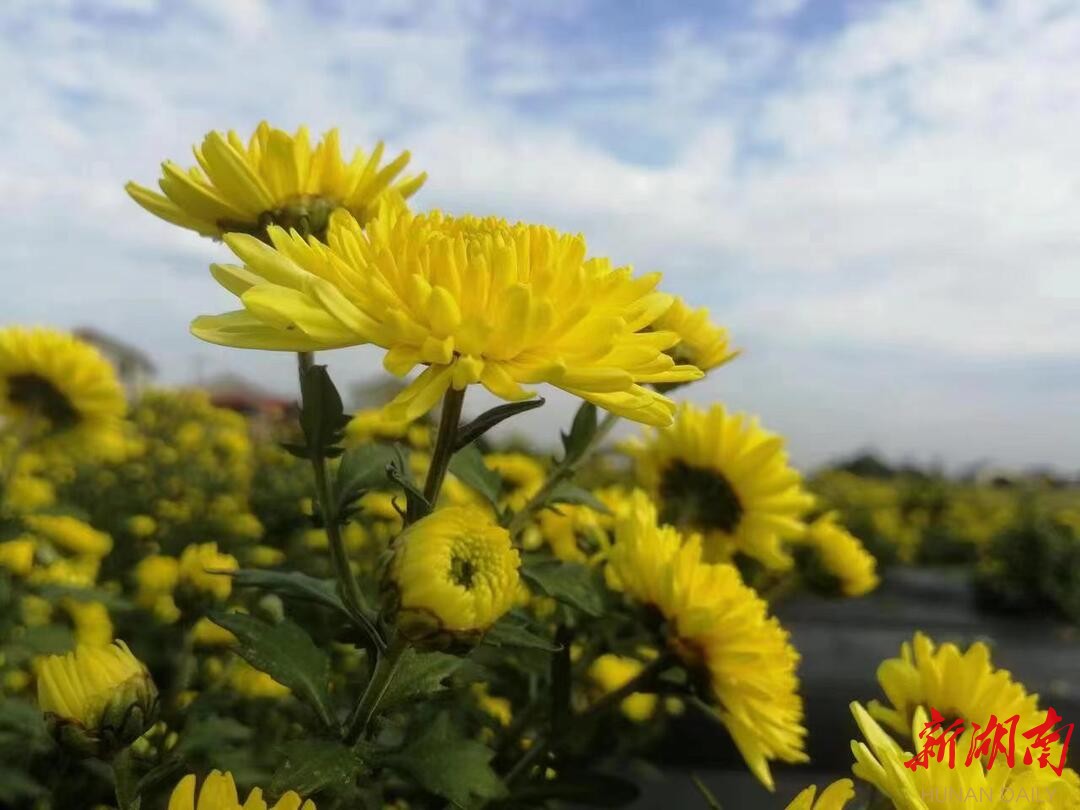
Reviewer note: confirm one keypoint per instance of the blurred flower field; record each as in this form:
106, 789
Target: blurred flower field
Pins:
388, 608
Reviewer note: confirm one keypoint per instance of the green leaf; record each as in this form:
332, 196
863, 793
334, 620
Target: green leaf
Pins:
490, 418
45, 639
54, 593
361, 468
570, 583
468, 465
589, 788
22, 721
581, 434
509, 632
322, 416
416, 505
448, 764
287, 654
211, 732
15, 786
419, 676
292, 585
313, 765
568, 492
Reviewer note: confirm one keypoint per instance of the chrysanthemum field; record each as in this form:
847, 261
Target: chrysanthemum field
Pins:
390, 608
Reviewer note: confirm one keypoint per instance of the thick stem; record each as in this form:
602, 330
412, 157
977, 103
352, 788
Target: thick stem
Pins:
562, 471
444, 443
386, 666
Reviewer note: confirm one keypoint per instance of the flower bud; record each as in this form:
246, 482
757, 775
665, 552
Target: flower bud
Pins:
96, 700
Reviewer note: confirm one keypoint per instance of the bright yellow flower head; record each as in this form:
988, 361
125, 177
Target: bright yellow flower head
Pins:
141, 525
60, 390
726, 477
701, 343
70, 533
97, 695
93, 627
834, 797
455, 570
275, 179
522, 476
155, 575
17, 555
474, 300
207, 633
719, 626
202, 567
254, 683
218, 792
610, 672
843, 556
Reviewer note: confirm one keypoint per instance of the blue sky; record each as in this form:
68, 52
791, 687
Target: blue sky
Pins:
879, 198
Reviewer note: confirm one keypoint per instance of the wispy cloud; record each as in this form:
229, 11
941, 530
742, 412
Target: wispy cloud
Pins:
880, 203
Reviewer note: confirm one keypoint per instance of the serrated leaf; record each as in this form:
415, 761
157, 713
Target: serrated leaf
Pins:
287, 654
490, 418
419, 676
570, 583
508, 632
570, 493
292, 585
589, 788
361, 469
448, 764
581, 434
322, 416
313, 765
468, 465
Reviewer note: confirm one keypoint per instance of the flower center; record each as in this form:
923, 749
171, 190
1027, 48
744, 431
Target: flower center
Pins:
462, 571
308, 214
699, 498
39, 396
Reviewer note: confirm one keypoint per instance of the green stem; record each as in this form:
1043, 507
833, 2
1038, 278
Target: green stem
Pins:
386, 666
125, 783
639, 683
444, 443
562, 471
706, 794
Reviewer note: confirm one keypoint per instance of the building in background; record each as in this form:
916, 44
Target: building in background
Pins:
133, 366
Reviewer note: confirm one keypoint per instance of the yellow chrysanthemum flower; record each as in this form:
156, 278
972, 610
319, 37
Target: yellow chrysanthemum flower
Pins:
96, 696
74, 572
204, 568
454, 570
611, 672
93, 627
71, 534
276, 179
254, 683
720, 627
834, 797
369, 424
17, 555
475, 300
843, 556
207, 633
522, 477
156, 577
59, 391
724, 476
141, 525
880, 761
500, 709
579, 533
701, 342
218, 792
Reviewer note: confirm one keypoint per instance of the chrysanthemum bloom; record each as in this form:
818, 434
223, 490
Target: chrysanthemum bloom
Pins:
254, 683
70, 534
96, 699
522, 476
205, 569
17, 555
275, 179
834, 797
880, 761
724, 476
474, 300
701, 342
141, 525
59, 392
218, 792
455, 572
611, 672
90, 620
843, 556
499, 709
156, 578
720, 629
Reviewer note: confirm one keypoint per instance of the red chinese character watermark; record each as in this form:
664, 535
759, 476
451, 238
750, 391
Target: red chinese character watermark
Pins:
1043, 736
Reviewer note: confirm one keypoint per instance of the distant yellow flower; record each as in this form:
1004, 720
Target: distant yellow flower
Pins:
97, 697
60, 390
370, 424
275, 179
93, 627
726, 477
454, 570
204, 568
141, 525
579, 533
253, 683
701, 343
834, 797
719, 627
156, 577
522, 477
207, 633
219, 793
843, 556
17, 555
74, 572
474, 300
610, 672
70, 533
265, 556
498, 708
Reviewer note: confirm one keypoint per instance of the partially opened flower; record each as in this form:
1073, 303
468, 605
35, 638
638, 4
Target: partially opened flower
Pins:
274, 179
474, 300
834, 797
701, 342
724, 476
842, 556
59, 391
218, 792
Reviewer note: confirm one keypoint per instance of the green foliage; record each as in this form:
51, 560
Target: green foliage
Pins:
468, 465
574, 585
311, 766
